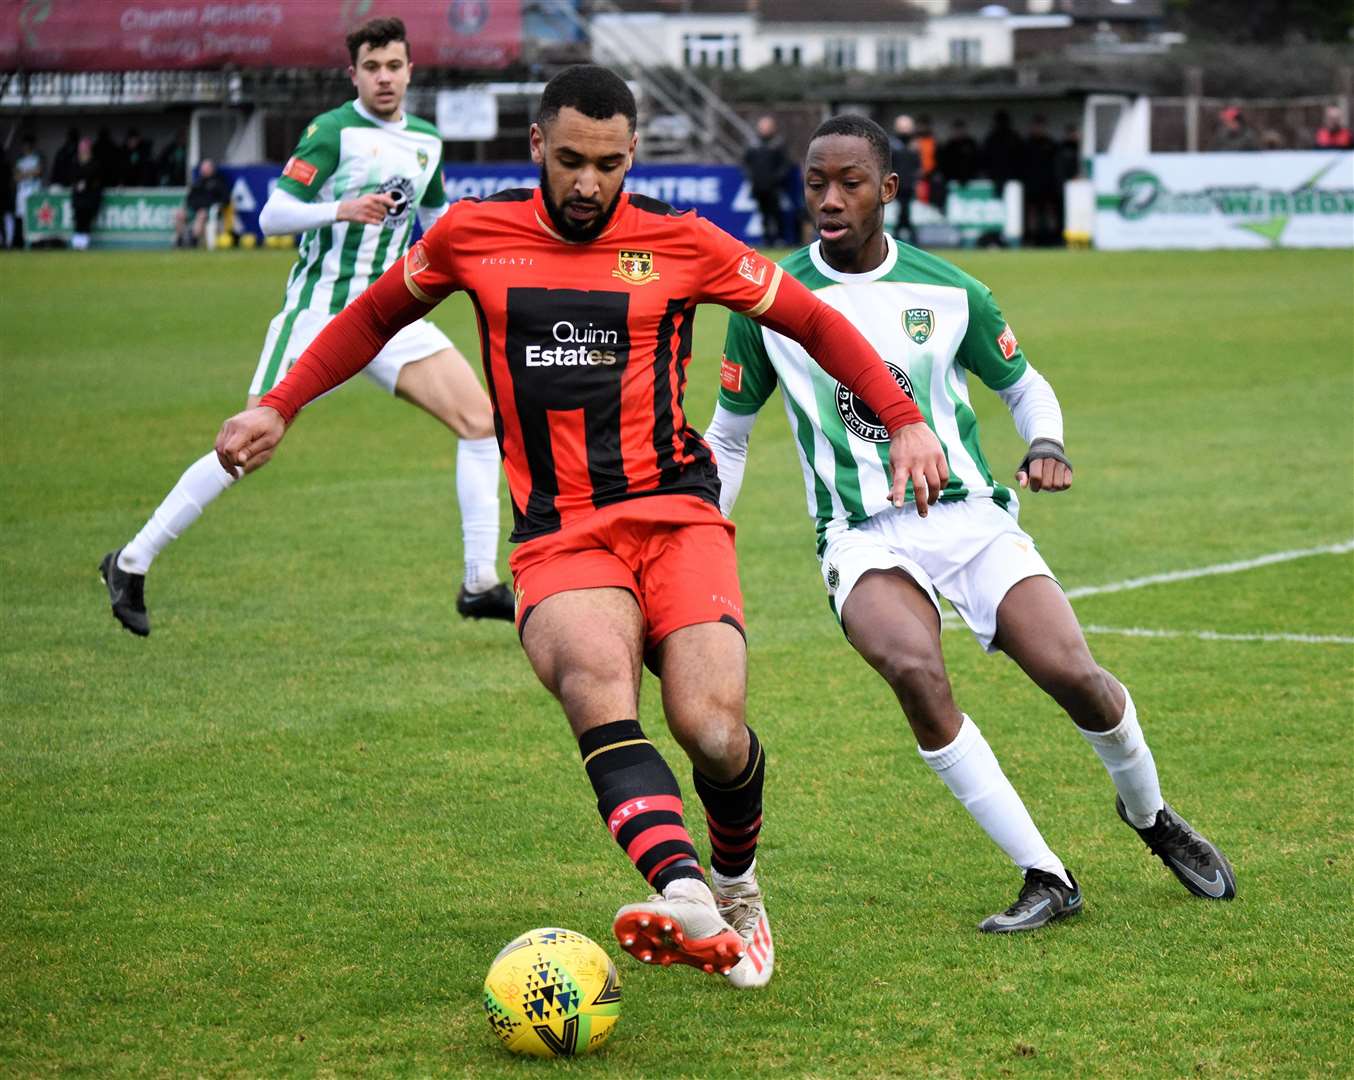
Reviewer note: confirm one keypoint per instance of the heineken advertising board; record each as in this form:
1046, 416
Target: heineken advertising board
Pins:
1298, 199
128, 217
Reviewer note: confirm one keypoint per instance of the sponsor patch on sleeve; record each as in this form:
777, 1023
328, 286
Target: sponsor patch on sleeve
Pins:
303, 172
752, 268
730, 375
1007, 343
418, 259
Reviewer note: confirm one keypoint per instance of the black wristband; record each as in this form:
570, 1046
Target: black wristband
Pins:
1044, 448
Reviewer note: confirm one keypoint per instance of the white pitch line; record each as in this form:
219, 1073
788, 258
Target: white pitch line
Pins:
951, 621
1216, 635
1207, 571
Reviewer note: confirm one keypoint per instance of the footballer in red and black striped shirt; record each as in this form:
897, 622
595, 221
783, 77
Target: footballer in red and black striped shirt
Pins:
586, 298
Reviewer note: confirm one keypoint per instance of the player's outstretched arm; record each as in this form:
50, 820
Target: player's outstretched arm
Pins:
249, 438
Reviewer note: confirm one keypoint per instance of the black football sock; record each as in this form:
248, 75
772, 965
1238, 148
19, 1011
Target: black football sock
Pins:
733, 812
638, 798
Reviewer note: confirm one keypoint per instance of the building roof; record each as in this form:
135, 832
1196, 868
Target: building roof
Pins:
844, 93
838, 11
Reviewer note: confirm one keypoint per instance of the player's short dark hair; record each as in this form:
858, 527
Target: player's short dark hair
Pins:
860, 127
377, 32
594, 91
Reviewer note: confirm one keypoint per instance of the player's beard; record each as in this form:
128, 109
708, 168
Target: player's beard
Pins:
577, 234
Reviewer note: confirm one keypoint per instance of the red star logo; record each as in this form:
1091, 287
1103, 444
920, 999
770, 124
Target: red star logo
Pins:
46, 215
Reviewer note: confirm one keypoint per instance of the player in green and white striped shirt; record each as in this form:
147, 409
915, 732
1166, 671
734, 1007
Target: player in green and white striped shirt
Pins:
886, 567
352, 188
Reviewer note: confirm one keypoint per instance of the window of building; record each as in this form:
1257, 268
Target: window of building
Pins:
787, 55
840, 54
890, 55
711, 50
966, 52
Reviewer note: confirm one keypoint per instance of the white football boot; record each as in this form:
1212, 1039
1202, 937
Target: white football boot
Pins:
682, 926
740, 902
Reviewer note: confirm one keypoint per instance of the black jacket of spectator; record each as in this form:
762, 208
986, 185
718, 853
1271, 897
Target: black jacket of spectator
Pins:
957, 158
1041, 164
138, 163
766, 164
63, 164
906, 162
1002, 149
171, 167
206, 192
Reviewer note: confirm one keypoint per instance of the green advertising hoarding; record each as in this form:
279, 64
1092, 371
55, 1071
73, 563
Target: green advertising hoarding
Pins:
128, 218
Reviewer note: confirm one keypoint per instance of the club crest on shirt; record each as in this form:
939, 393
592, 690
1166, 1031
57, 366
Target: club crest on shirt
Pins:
918, 322
861, 420
422, 157
402, 192
635, 267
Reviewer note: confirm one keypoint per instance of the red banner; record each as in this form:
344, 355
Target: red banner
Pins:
144, 35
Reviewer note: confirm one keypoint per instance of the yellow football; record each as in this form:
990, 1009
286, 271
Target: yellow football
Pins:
552, 993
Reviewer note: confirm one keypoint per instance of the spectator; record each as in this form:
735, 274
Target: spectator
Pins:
1334, 134
958, 156
108, 155
87, 186
767, 165
1272, 139
1069, 154
171, 167
1002, 149
28, 170
1236, 132
6, 200
1043, 188
63, 164
207, 191
138, 161
906, 162
924, 142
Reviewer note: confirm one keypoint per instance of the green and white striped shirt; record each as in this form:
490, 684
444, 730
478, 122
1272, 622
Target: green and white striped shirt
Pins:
932, 324
344, 154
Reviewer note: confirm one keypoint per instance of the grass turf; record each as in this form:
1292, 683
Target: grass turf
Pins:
286, 834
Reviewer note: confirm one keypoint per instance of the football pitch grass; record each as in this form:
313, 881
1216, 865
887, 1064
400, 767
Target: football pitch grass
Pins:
287, 833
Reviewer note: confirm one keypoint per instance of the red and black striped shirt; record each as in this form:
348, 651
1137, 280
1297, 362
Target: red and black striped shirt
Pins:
585, 346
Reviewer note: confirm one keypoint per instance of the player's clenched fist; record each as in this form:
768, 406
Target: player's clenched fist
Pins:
248, 439
916, 454
367, 209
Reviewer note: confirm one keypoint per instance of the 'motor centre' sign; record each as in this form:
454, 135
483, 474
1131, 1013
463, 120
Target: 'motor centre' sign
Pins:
1225, 200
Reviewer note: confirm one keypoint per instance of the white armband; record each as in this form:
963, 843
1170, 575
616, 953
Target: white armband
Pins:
728, 437
284, 213
1034, 407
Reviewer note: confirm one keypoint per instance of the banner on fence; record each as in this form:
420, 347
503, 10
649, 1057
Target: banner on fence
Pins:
145, 35
128, 218
1225, 200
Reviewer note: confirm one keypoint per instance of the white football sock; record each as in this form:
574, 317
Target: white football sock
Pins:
1129, 761
746, 876
477, 466
971, 772
202, 482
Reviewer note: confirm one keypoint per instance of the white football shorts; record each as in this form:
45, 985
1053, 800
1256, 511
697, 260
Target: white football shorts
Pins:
970, 552
288, 337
